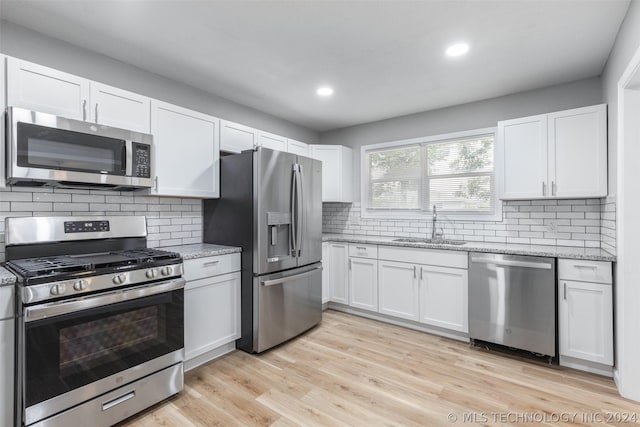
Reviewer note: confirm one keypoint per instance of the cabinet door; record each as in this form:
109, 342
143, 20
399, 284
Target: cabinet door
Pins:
338, 277
187, 153
578, 152
235, 137
7, 349
46, 90
274, 142
398, 289
326, 269
586, 321
443, 297
115, 107
297, 147
524, 157
363, 283
211, 313
336, 172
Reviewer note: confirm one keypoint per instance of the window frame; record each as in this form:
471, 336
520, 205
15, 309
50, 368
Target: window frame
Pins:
381, 213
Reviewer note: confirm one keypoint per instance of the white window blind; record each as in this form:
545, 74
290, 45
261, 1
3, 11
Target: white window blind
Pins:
455, 175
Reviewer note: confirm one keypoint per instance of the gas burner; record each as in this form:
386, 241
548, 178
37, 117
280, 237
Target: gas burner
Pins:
34, 267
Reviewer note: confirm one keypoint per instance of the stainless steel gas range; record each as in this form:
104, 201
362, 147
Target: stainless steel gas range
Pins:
100, 327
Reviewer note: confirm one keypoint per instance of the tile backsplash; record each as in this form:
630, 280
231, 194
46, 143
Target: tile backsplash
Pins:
581, 222
170, 220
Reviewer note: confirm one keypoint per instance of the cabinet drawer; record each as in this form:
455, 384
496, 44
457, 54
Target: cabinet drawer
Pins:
585, 271
211, 266
435, 257
363, 251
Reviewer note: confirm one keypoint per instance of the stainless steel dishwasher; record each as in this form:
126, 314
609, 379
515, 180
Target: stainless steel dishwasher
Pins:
512, 301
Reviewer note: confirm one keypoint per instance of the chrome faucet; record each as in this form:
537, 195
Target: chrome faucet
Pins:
434, 234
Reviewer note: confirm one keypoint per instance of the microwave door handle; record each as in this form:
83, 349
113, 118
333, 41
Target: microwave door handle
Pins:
127, 156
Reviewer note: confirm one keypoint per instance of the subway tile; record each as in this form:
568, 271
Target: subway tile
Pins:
29, 206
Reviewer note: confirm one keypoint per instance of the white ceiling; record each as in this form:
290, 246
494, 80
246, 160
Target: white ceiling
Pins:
384, 58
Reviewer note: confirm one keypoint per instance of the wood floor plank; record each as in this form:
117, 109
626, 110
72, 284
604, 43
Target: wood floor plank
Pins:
355, 371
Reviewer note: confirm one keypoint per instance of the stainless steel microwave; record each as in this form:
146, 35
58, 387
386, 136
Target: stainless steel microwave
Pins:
47, 150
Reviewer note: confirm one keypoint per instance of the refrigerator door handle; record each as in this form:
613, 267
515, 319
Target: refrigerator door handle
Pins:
286, 279
292, 226
300, 207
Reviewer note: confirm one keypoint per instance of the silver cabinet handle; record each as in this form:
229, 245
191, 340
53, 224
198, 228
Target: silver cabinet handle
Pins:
362, 248
507, 263
84, 110
96, 112
211, 262
544, 188
415, 272
349, 263
118, 400
421, 273
565, 290
590, 267
291, 278
156, 182
553, 188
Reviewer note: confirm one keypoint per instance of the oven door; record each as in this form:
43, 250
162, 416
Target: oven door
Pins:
77, 349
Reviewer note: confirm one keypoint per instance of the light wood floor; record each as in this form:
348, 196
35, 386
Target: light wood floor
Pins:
352, 371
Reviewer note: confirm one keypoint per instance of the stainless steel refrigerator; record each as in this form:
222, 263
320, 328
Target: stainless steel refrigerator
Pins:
271, 205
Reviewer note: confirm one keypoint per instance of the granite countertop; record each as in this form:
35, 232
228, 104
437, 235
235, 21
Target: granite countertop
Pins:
6, 278
595, 254
201, 250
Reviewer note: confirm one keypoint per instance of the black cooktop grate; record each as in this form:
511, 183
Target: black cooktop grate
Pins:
61, 265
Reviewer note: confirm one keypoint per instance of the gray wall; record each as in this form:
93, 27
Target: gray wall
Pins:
470, 116
627, 42
24, 43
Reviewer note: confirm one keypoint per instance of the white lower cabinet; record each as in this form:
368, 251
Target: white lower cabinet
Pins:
398, 290
211, 306
444, 297
338, 273
586, 321
326, 268
585, 315
7, 349
363, 283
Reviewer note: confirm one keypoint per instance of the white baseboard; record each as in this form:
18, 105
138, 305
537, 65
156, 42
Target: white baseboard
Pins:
209, 356
587, 366
459, 336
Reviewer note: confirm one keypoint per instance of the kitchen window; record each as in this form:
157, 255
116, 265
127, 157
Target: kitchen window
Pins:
454, 172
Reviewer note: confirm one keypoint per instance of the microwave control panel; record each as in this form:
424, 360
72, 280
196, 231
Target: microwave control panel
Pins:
141, 160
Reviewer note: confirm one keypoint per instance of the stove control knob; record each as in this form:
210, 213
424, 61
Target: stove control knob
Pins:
80, 285
119, 279
152, 272
165, 271
58, 289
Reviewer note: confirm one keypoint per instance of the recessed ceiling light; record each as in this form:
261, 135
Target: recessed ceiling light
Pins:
457, 49
324, 91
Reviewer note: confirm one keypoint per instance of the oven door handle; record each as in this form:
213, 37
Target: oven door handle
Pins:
58, 308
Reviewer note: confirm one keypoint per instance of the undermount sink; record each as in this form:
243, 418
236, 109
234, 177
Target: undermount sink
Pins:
430, 241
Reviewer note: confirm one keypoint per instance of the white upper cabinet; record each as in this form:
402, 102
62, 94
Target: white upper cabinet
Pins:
337, 172
235, 137
557, 155
524, 145
46, 90
297, 147
272, 141
115, 107
187, 152
578, 152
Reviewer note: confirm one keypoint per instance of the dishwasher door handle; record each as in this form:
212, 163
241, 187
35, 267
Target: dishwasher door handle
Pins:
508, 263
